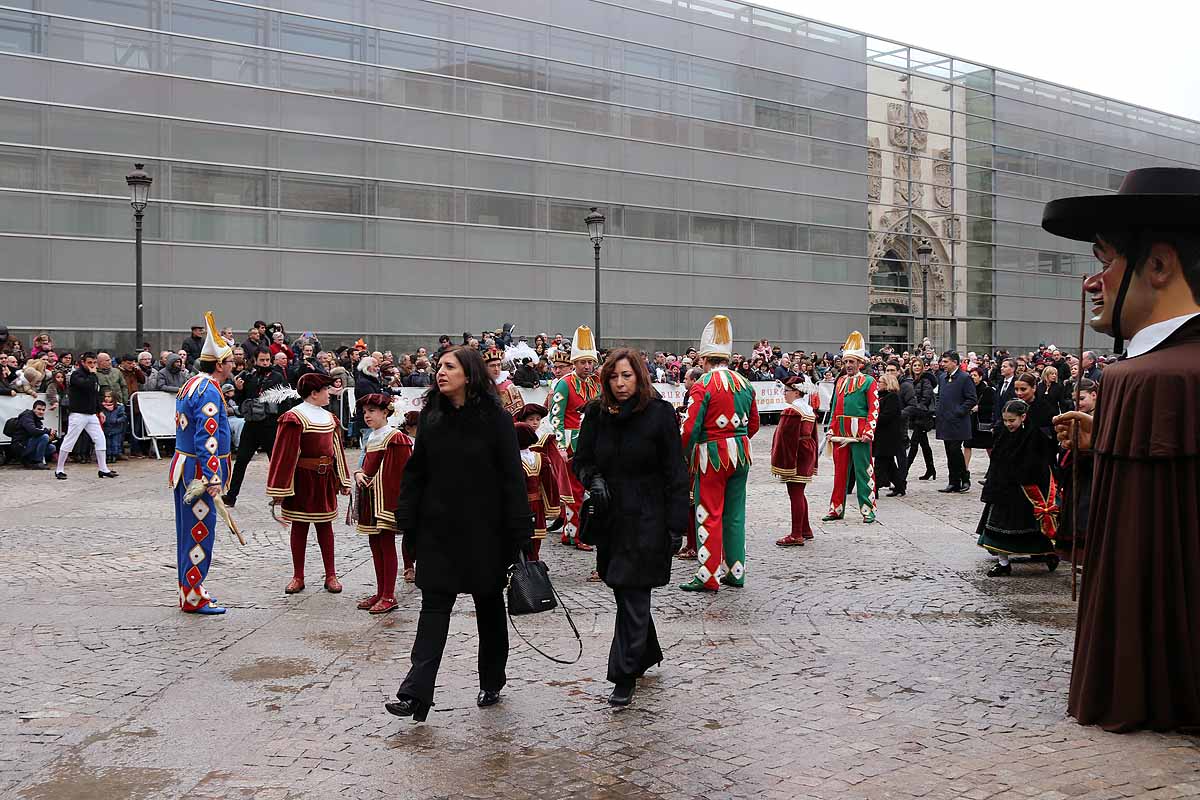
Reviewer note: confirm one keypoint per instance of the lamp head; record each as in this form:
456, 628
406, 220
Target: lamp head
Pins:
139, 187
595, 225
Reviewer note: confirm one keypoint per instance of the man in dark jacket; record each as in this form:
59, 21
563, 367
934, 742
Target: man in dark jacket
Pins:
84, 402
956, 398
193, 344
1005, 390
33, 439
255, 342
259, 431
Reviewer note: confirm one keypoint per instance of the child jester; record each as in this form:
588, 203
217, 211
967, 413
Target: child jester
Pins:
852, 431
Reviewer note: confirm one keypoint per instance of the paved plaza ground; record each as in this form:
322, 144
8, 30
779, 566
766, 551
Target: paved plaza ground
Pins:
877, 662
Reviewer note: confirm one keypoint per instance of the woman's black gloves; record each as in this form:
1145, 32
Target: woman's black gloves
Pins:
598, 491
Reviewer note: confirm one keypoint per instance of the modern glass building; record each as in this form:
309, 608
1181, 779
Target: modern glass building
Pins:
404, 168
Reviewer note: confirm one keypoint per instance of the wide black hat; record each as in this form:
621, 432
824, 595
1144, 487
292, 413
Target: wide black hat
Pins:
1162, 198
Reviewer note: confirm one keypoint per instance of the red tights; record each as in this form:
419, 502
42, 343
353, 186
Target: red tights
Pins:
383, 554
800, 523
300, 542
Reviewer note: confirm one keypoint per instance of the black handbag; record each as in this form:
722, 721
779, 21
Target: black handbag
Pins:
531, 592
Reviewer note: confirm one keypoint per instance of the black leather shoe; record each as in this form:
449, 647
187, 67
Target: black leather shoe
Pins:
1000, 570
622, 695
951, 489
109, 474
896, 493
405, 706
62, 476
1052, 563
964, 488
487, 698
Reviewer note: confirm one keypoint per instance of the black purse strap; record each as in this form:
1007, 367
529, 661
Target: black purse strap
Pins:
570, 622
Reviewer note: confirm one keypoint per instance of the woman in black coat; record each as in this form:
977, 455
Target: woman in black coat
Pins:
889, 437
981, 416
630, 458
920, 418
462, 545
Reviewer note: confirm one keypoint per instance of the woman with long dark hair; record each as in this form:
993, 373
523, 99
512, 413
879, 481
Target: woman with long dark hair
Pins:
630, 458
981, 415
463, 545
921, 418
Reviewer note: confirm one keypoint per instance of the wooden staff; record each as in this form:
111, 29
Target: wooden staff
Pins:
1075, 442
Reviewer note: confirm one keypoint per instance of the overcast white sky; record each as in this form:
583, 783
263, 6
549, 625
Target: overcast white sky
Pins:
1145, 52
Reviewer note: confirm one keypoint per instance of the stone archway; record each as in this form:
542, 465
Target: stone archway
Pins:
894, 277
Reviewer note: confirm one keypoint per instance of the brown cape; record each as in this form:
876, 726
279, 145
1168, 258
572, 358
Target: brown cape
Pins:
1137, 641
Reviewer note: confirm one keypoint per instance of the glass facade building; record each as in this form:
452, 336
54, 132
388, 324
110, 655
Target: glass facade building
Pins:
404, 168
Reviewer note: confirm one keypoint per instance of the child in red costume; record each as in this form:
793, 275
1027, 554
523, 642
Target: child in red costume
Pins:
385, 453
794, 457
308, 471
541, 482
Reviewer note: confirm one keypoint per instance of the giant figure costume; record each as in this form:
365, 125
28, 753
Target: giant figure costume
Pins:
201, 452
1137, 650
721, 418
851, 433
567, 401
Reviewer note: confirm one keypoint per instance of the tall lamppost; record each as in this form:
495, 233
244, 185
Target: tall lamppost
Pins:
139, 191
595, 226
924, 251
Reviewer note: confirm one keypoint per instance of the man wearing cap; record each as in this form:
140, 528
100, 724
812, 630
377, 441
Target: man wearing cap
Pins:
1137, 653
567, 399
852, 432
194, 344
201, 453
718, 423
510, 396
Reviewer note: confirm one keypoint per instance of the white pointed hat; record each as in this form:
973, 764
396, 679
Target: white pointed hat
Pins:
855, 347
717, 339
583, 346
215, 347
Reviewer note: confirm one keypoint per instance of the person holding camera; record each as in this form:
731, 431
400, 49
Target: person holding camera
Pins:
261, 416
630, 457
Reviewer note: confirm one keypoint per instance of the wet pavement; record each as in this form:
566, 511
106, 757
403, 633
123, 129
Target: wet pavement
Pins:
876, 662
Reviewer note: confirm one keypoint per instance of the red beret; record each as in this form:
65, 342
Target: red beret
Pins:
312, 382
526, 434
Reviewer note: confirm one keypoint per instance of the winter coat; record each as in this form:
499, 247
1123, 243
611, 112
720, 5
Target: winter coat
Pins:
192, 346
889, 432
640, 456
419, 380
956, 398
113, 379
167, 379
465, 533
29, 425
84, 392
920, 413
115, 420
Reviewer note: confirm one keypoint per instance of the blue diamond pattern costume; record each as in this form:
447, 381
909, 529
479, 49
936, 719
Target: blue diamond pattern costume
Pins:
201, 452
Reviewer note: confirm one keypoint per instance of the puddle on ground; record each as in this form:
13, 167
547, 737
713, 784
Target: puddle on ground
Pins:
273, 669
140, 733
72, 781
332, 641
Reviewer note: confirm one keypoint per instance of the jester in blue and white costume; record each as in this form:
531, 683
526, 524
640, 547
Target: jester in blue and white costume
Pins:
201, 453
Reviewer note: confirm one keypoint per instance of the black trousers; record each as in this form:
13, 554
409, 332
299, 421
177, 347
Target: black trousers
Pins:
957, 464
892, 470
920, 438
432, 628
255, 436
635, 645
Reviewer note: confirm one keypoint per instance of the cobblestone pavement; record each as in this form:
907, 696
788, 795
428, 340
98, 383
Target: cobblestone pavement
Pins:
876, 662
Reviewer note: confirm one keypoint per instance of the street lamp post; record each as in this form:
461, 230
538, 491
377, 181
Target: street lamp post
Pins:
139, 191
924, 251
595, 226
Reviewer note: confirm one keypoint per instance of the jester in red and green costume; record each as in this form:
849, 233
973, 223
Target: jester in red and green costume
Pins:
852, 432
567, 400
721, 417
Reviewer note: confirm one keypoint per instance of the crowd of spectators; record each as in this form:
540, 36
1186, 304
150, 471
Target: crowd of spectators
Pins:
45, 369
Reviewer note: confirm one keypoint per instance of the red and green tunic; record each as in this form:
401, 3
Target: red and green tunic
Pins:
721, 416
567, 401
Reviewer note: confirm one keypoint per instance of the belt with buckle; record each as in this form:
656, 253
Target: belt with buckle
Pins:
319, 465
